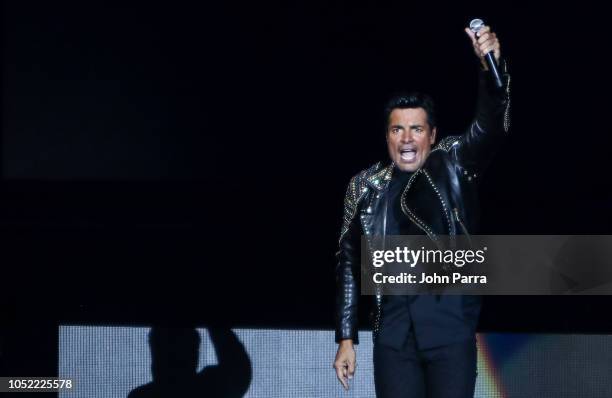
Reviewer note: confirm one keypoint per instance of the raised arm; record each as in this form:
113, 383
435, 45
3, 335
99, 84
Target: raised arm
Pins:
233, 373
476, 147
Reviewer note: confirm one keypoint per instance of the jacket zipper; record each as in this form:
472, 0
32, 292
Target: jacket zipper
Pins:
465, 231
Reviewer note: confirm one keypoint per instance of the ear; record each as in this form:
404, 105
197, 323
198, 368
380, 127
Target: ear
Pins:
432, 137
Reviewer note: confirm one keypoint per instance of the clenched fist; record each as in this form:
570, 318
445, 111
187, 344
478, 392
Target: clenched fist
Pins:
484, 42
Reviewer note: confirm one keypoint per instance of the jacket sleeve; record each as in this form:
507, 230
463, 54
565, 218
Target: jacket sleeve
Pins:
474, 149
347, 268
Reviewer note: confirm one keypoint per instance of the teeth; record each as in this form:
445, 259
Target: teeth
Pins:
408, 156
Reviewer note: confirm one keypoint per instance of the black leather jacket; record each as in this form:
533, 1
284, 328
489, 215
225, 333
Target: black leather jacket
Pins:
440, 197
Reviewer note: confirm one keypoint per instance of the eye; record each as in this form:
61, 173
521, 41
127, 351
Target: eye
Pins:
395, 130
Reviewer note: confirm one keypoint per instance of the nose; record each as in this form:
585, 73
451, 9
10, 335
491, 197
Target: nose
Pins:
406, 137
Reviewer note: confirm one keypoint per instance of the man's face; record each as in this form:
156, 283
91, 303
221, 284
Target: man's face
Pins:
409, 138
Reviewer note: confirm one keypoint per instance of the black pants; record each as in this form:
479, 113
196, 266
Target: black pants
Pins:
442, 372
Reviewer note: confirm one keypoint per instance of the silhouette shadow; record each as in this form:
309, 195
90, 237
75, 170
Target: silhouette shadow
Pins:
174, 361
582, 265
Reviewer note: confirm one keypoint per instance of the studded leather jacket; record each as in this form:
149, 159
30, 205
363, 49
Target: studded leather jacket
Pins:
439, 198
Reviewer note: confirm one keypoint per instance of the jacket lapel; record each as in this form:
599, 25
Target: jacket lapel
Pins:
380, 179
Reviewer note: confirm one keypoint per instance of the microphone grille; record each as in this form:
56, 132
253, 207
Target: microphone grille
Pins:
476, 25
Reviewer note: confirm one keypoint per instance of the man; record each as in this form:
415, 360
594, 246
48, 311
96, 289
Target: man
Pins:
174, 363
424, 345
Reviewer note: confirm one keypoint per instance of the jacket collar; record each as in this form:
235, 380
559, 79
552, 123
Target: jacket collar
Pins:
381, 178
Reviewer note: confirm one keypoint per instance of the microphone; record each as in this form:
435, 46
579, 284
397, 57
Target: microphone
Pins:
475, 26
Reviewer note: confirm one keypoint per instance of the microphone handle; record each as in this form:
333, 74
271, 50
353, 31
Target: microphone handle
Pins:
494, 70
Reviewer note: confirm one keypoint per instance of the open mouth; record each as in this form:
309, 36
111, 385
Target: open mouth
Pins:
408, 154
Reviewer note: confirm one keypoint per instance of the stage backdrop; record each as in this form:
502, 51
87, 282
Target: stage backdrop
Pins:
117, 362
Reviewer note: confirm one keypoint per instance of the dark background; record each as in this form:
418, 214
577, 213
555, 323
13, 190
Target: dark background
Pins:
186, 164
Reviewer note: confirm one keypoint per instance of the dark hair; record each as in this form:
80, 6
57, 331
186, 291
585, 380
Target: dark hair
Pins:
411, 100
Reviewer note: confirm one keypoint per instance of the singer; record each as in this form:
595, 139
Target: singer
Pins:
425, 345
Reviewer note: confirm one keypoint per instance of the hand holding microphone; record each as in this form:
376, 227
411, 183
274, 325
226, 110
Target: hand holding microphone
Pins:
486, 47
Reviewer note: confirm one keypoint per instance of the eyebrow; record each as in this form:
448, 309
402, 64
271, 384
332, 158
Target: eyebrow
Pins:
412, 126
